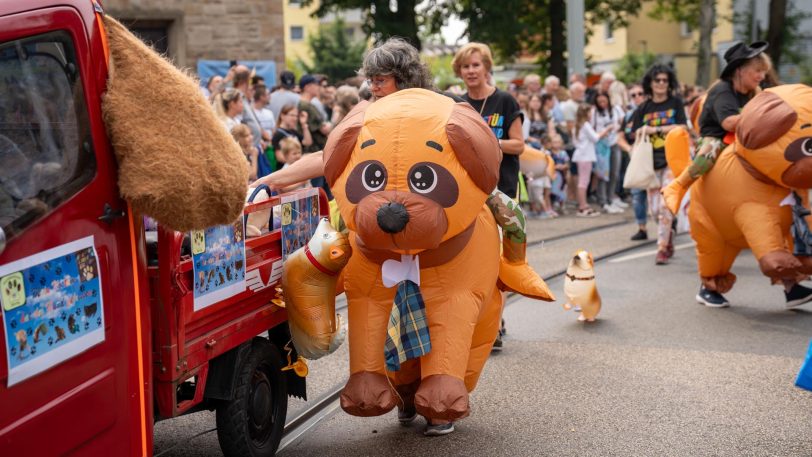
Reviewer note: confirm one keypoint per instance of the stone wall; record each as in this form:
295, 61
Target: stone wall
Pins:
210, 29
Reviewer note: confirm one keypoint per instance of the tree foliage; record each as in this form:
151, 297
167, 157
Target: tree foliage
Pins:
632, 67
785, 35
383, 19
699, 14
334, 53
536, 27
510, 27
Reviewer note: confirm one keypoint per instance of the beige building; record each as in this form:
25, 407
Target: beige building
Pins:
188, 30
300, 25
669, 41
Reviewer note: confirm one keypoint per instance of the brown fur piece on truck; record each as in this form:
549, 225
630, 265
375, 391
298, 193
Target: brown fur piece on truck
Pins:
177, 163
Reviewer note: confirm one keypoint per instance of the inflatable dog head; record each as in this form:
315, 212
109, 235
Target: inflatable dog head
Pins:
775, 134
411, 170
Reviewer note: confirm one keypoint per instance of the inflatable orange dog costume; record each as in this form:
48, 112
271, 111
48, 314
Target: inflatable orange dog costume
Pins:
738, 204
411, 173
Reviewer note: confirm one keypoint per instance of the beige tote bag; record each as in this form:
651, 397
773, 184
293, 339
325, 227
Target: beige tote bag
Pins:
640, 173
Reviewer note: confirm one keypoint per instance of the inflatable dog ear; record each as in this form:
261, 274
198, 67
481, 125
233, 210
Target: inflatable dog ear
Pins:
474, 144
177, 163
341, 142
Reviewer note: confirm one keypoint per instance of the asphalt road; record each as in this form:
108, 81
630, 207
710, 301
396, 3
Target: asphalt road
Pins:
657, 375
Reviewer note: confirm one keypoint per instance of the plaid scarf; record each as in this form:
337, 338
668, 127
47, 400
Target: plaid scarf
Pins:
407, 335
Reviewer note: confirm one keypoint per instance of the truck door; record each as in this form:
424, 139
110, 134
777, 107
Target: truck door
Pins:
71, 381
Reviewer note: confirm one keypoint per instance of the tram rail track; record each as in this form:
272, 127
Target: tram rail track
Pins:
328, 403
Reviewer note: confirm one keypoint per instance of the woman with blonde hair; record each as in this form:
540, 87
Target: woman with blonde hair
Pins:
473, 63
228, 105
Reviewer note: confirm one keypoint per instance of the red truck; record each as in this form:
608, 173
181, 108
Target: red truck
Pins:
102, 332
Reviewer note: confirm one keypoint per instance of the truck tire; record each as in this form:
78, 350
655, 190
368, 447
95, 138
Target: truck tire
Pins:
251, 424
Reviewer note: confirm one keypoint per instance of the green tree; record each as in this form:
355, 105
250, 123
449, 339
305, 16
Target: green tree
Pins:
697, 14
384, 18
784, 31
333, 53
510, 27
632, 67
537, 27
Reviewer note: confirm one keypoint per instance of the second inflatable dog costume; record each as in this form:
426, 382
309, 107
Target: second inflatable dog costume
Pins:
746, 201
411, 174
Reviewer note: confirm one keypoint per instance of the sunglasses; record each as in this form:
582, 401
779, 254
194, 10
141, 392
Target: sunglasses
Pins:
660, 80
635, 94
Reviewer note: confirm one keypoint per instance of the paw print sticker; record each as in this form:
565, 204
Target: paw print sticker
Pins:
12, 291
198, 242
287, 214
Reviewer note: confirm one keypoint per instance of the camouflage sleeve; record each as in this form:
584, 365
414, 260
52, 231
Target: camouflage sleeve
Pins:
508, 215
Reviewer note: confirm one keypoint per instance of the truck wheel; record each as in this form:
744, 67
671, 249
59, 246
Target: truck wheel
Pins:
251, 424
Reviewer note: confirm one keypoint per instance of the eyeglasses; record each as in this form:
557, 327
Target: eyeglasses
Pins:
379, 81
635, 94
660, 80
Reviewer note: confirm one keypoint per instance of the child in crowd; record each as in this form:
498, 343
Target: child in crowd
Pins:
291, 150
585, 137
540, 204
242, 135
562, 168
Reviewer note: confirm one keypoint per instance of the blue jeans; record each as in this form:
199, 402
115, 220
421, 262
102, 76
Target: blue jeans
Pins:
640, 205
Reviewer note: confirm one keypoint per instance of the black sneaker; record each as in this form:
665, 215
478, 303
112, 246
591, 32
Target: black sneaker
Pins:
497, 345
797, 296
714, 299
641, 235
407, 415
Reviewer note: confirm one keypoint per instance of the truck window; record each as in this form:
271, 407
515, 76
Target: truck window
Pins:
46, 153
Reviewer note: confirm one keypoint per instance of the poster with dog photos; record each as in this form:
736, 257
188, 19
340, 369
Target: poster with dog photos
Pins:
218, 256
300, 217
52, 307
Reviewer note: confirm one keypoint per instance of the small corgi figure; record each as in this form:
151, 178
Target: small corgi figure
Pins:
580, 287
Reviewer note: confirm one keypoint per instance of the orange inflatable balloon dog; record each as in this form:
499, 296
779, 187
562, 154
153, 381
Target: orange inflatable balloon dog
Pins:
740, 203
309, 286
411, 173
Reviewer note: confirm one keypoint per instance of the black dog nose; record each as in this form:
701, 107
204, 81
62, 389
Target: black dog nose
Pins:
392, 217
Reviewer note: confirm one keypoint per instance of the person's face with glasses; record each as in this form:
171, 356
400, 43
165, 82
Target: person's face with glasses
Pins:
382, 85
637, 95
659, 84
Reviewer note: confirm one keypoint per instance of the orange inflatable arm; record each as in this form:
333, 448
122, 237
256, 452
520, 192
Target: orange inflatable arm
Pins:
678, 150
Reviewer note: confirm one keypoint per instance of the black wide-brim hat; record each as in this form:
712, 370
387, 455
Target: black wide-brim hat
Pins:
740, 53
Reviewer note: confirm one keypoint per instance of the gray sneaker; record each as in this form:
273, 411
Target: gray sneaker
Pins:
439, 430
407, 416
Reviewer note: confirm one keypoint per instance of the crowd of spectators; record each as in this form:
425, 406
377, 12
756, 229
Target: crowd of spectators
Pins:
275, 125
587, 130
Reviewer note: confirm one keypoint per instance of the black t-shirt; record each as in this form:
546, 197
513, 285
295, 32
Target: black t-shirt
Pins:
284, 133
499, 112
669, 112
722, 102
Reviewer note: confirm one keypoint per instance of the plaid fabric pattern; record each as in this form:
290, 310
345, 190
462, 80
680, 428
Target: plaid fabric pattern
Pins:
407, 335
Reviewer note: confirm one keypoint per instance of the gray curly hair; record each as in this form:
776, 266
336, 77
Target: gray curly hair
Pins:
400, 59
